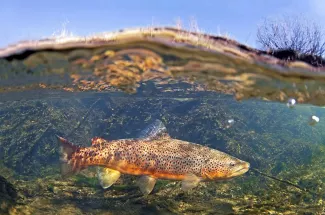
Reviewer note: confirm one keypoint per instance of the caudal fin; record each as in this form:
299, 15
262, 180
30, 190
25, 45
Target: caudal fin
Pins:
68, 166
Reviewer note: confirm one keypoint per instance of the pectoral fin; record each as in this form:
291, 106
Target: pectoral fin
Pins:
190, 181
146, 184
107, 177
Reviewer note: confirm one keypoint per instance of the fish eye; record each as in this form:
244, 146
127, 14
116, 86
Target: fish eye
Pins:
232, 164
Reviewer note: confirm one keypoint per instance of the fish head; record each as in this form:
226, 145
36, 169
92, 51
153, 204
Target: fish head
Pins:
226, 167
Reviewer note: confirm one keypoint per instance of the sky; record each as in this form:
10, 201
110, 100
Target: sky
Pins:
36, 19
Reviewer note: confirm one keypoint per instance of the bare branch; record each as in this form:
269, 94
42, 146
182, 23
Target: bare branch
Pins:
292, 33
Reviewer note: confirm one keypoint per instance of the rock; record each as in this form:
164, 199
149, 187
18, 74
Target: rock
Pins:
8, 195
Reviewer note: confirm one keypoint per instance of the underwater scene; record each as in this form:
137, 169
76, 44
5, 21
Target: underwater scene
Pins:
159, 121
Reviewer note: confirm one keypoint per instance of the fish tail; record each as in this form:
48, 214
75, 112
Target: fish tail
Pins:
67, 165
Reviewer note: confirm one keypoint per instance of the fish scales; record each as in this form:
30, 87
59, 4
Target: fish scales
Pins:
155, 155
163, 158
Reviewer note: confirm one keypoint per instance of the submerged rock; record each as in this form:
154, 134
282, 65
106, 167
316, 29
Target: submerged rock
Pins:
8, 195
210, 198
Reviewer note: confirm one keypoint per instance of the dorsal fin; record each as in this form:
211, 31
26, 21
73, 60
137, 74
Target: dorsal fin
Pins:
97, 141
155, 130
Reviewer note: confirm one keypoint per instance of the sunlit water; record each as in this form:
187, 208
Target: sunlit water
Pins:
205, 90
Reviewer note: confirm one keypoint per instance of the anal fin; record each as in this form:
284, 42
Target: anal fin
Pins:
107, 177
190, 181
146, 184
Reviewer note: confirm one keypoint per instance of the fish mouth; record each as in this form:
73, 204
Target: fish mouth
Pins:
241, 170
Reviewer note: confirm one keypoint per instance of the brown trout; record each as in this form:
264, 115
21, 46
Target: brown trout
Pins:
153, 156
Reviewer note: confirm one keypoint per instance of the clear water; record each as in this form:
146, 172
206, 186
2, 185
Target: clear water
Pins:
114, 91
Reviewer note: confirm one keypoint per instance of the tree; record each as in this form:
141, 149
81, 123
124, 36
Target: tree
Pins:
292, 33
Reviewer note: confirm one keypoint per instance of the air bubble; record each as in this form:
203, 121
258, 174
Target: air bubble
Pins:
313, 120
229, 123
291, 103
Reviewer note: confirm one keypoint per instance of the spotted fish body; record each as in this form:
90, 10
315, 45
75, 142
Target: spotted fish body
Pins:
156, 156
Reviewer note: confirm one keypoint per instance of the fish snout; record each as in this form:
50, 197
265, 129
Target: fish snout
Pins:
241, 168
246, 165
